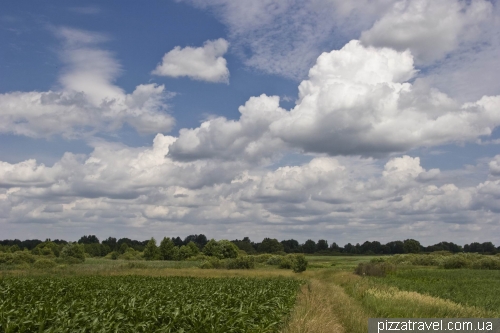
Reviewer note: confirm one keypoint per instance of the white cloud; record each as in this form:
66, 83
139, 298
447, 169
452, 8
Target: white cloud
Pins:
88, 101
137, 187
284, 37
204, 63
429, 29
495, 166
355, 102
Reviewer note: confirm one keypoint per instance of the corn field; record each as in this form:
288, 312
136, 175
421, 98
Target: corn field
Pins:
144, 304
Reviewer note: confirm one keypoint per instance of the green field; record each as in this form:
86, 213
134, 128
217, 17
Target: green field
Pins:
101, 295
480, 288
144, 304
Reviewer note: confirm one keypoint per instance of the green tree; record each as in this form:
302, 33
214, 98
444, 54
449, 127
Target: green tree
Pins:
411, 246
221, 249
194, 248
270, 245
167, 249
90, 239
309, 246
184, 252
151, 251
73, 253
14, 248
123, 248
322, 245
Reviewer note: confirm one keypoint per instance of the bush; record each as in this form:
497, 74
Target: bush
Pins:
245, 262
22, 257
212, 262
299, 263
487, 263
274, 260
287, 262
72, 253
456, 261
44, 264
374, 269
262, 258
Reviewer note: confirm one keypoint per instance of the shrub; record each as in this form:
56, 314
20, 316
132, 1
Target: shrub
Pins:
130, 254
456, 261
286, 262
113, 255
487, 263
245, 262
262, 258
212, 262
299, 263
374, 269
72, 253
44, 264
274, 260
21, 257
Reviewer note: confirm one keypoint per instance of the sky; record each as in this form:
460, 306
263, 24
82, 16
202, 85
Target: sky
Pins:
319, 119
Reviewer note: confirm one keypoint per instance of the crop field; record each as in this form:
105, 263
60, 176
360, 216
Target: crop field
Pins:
479, 288
144, 304
102, 295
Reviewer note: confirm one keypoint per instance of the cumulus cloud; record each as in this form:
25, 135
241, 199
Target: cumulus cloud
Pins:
88, 101
204, 63
495, 166
357, 101
430, 29
131, 187
284, 37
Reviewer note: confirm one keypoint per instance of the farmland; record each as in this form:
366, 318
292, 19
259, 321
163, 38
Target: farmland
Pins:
327, 297
144, 304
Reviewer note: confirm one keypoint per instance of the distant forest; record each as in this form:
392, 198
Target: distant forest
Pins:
96, 248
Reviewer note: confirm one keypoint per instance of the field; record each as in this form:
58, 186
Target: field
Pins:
327, 297
144, 304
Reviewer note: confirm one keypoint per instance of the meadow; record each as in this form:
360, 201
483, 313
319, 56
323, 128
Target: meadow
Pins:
328, 297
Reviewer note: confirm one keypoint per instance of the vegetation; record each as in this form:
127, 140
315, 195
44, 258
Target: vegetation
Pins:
342, 290
144, 304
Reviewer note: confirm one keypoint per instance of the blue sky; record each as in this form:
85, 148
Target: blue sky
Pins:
290, 119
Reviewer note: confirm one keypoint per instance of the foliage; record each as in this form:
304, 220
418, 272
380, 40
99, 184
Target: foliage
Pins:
144, 304
243, 262
270, 245
221, 249
17, 258
374, 269
47, 249
299, 263
72, 253
167, 249
447, 260
90, 239
309, 246
151, 251
411, 246
44, 264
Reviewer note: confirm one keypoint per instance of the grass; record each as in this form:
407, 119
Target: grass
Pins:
478, 288
335, 299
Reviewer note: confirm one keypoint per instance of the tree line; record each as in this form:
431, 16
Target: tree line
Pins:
193, 243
